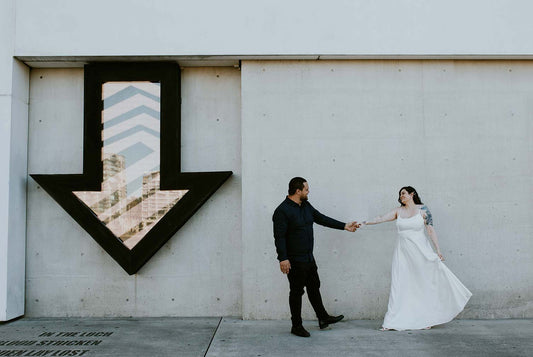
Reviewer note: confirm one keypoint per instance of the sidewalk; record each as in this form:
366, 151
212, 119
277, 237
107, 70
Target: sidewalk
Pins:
122, 337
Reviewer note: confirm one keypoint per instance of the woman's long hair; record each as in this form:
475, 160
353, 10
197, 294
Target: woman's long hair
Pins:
409, 189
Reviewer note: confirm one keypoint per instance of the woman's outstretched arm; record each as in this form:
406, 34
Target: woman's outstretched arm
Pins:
391, 216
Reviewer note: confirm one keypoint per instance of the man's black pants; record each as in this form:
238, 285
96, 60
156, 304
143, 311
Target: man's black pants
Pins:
304, 275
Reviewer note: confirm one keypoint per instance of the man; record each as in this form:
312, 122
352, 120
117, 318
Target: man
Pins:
293, 234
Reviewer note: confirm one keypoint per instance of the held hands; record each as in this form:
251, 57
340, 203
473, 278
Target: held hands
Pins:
285, 266
352, 226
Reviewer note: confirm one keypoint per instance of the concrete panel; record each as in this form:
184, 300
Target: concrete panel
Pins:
458, 131
5, 140
362, 338
240, 27
13, 162
169, 337
108, 337
7, 41
197, 273
18, 165
49, 120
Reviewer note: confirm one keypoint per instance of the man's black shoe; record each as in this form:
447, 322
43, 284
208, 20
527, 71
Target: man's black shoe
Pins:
323, 323
300, 331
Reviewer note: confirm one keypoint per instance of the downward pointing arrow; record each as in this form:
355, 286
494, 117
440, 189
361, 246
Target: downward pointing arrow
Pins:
131, 228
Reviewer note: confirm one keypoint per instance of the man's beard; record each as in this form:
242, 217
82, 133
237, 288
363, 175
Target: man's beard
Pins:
303, 198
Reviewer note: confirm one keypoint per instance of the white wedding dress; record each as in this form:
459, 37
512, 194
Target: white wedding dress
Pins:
424, 292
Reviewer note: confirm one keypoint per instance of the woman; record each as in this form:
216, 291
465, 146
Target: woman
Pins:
424, 292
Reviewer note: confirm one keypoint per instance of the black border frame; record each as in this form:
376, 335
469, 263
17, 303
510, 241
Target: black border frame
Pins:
201, 185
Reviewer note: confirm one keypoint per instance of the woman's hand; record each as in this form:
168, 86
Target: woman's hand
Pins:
440, 256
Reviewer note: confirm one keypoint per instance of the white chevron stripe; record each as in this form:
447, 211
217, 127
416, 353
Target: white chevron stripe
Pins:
133, 240
152, 88
139, 137
112, 210
111, 88
129, 104
130, 218
90, 198
141, 167
141, 119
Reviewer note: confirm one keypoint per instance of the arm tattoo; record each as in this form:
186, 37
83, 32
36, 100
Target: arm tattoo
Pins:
429, 217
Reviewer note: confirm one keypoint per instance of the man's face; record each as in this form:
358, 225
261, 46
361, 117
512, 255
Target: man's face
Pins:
305, 192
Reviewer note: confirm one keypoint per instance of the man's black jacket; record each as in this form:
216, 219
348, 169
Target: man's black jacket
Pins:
293, 230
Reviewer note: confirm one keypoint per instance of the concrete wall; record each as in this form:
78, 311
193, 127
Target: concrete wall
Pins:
197, 273
275, 27
458, 131
14, 81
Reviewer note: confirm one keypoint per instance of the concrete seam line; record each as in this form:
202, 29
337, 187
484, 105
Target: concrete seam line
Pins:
213, 337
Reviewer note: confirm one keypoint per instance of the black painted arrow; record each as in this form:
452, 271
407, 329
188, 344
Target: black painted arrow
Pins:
199, 185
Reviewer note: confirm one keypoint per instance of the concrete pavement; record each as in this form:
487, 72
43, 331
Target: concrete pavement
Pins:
234, 337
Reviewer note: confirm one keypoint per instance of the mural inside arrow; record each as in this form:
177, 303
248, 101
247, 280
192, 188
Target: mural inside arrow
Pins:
131, 201
132, 196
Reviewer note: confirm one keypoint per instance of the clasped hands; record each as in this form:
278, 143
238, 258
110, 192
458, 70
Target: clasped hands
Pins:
352, 226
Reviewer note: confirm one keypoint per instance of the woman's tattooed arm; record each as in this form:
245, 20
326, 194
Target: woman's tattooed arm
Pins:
428, 218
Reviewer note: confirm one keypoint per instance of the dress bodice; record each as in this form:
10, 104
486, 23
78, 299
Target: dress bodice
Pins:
413, 223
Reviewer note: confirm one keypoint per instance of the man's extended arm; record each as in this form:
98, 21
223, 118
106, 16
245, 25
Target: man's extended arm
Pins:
326, 221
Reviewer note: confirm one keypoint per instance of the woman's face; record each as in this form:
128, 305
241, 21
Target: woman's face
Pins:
405, 196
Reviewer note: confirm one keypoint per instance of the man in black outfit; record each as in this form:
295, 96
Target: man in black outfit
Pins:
293, 234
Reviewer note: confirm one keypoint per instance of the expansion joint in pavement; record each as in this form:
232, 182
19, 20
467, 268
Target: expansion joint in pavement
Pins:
213, 337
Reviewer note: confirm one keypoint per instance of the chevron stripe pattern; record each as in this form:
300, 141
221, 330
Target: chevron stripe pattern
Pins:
130, 202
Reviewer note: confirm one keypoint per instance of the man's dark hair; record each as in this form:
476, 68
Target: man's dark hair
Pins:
297, 183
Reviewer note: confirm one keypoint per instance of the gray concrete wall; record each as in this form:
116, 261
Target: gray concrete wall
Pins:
197, 273
275, 27
14, 87
458, 131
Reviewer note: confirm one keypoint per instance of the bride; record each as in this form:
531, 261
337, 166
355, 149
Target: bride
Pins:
424, 292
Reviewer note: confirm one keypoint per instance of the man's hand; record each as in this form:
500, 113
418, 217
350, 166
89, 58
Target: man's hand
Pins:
285, 266
352, 226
